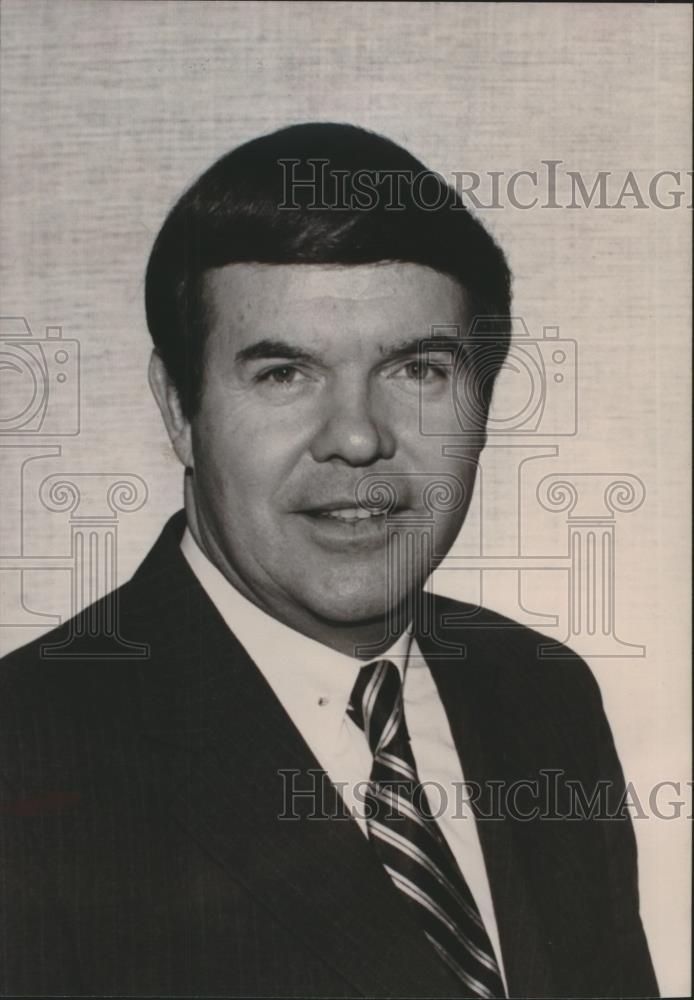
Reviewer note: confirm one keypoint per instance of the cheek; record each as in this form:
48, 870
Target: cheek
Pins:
241, 459
445, 484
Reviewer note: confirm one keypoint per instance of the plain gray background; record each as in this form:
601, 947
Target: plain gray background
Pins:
109, 109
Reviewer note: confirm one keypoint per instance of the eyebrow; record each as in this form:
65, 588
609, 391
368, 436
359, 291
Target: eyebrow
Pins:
267, 349
273, 349
417, 344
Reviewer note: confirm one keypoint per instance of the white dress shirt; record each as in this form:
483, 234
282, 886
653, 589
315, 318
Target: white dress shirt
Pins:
314, 682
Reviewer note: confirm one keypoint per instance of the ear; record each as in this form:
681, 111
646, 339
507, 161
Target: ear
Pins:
168, 401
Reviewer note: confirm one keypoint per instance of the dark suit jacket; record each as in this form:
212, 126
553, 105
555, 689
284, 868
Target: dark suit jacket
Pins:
143, 853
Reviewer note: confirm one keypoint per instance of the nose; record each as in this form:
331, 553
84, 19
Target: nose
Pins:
353, 430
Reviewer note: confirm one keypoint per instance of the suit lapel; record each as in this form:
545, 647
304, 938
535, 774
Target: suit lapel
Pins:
224, 752
471, 693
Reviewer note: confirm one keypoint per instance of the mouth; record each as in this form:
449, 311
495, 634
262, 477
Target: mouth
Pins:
346, 511
344, 525
348, 515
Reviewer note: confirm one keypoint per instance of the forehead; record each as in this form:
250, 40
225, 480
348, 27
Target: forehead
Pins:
309, 300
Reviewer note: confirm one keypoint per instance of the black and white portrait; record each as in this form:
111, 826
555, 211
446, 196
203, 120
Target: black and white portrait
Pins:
344, 355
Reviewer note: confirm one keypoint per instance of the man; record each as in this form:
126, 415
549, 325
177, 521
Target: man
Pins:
271, 802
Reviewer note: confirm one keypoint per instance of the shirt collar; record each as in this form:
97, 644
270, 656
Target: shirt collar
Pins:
312, 681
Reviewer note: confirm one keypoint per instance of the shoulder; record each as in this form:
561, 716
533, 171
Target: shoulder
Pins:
522, 661
78, 671
78, 685
94, 653
536, 698
64, 715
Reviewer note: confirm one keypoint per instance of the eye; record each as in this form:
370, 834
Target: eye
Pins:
282, 375
278, 383
419, 370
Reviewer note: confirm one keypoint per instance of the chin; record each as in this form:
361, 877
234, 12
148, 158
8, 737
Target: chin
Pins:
356, 607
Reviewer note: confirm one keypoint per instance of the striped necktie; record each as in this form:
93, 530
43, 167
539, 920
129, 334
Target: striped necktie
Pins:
408, 841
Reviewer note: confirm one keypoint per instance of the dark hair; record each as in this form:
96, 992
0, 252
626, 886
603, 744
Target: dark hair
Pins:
367, 200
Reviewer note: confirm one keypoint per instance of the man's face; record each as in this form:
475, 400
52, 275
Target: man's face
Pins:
312, 382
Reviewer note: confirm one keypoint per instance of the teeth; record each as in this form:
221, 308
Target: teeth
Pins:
352, 514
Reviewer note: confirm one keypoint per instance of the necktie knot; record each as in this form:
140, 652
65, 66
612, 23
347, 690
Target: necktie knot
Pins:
376, 703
